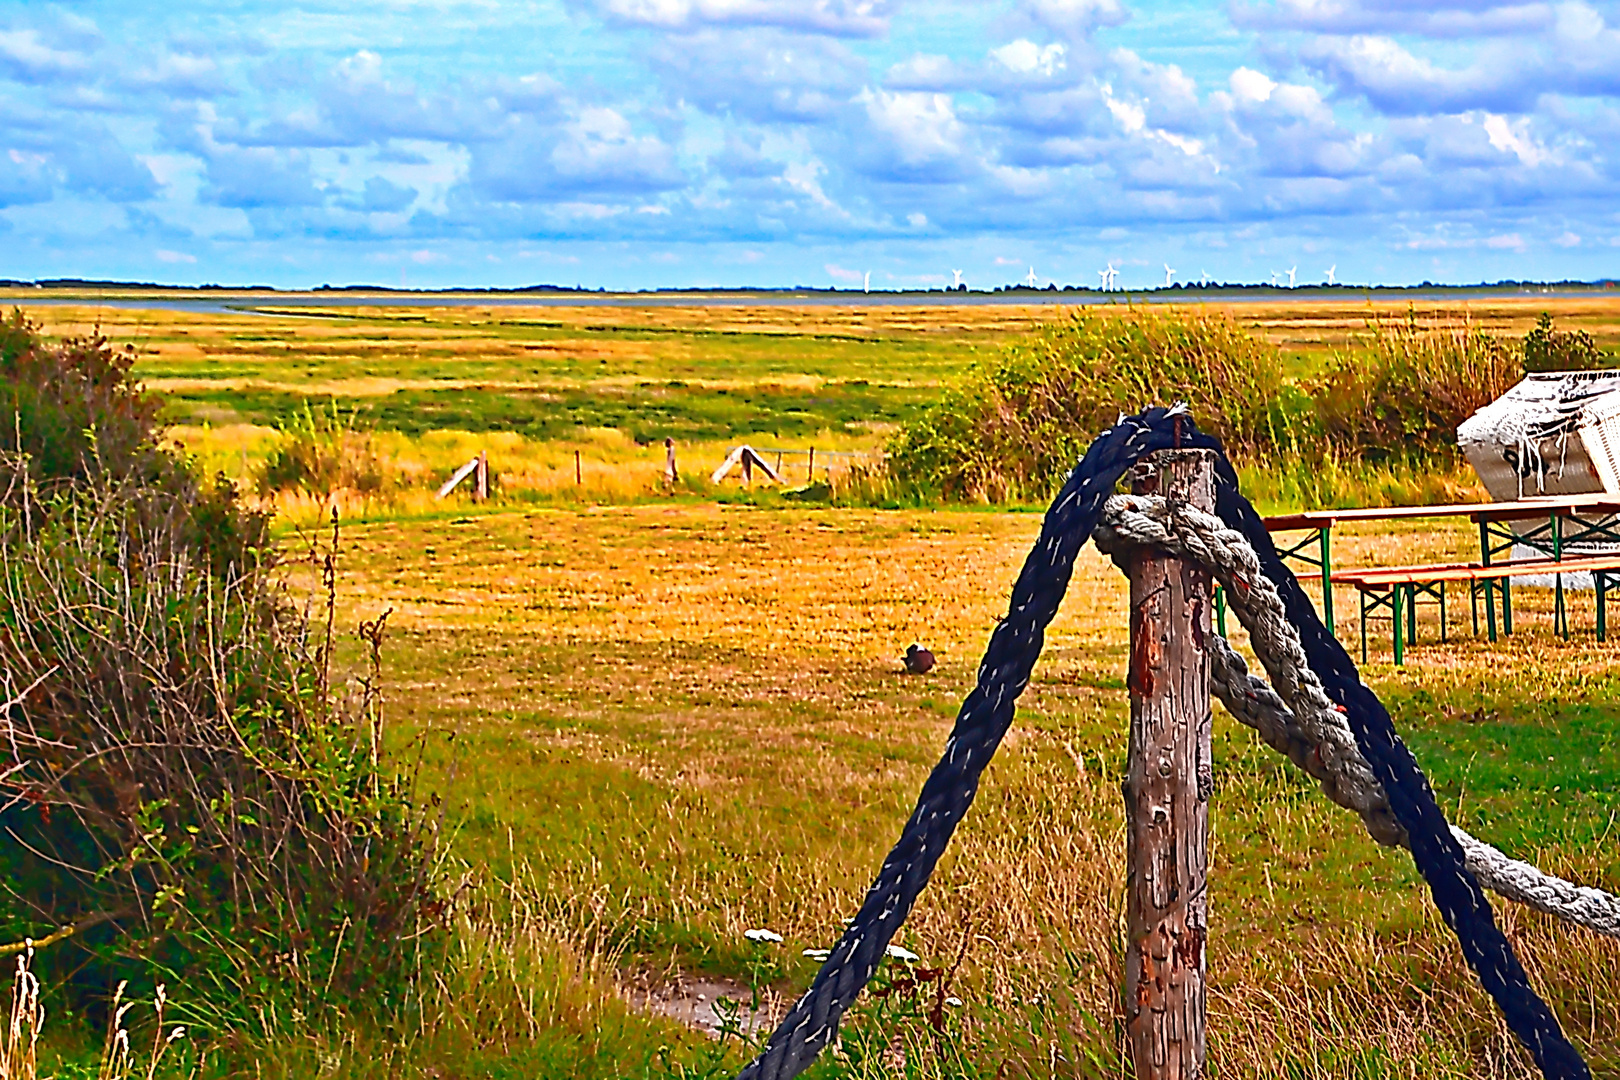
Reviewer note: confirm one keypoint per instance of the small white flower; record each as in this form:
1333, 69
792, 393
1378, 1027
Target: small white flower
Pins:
902, 954
762, 936
818, 954
954, 1002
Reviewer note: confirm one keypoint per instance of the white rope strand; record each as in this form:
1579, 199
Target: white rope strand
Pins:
1298, 719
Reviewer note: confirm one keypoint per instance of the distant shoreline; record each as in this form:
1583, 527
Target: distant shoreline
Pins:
248, 299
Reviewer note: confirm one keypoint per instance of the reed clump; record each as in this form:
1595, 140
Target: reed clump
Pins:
1403, 392
1019, 421
1381, 417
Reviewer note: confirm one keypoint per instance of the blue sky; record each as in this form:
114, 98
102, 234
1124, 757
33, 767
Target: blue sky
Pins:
639, 143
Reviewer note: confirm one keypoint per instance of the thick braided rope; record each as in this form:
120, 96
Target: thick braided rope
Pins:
987, 713
1319, 744
1435, 850
984, 718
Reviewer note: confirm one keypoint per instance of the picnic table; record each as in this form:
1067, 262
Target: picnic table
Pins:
1569, 519
1398, 588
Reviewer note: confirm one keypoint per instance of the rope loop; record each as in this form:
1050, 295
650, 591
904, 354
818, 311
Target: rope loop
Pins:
1320, 715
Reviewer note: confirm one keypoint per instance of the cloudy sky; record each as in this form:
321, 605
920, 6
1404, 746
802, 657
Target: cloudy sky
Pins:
637, 143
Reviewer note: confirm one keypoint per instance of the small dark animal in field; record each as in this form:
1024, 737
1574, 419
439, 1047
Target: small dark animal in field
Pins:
919, 661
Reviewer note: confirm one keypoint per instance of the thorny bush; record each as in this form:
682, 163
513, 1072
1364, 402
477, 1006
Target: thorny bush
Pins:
185, 790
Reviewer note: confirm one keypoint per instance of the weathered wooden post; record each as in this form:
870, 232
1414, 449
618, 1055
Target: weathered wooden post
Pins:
483, 475
810, 469
671, 476
579, 474
1167, 787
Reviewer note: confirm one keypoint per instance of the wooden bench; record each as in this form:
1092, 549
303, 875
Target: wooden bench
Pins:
1569, 520
1398, 588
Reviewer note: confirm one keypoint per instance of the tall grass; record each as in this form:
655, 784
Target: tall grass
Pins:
1402, 393
1378, 425
320, 451
1017, 422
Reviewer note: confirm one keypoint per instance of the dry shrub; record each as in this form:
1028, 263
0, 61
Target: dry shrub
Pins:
185, 789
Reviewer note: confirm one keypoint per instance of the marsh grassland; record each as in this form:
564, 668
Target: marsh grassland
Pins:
659, 719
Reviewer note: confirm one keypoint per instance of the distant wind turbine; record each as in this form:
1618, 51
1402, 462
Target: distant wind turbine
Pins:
957, 276
1291, 270
1168, 274
866, 282
1031, 278
1203, 278
1274, 279
1113, 277
1330, 270
1103, 274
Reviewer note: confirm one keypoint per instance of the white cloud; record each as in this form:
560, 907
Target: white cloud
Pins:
1075, 19
924, 71
839, 273
1251, 85
1431, 18
24, 53
757, 122
918, 129
1027, 58
863, 18
1514, 138
801, 176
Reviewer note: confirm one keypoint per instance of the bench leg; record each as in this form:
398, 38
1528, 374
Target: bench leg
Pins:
1601, 581
1411, 614
1473, 606
1490, 607
1325, 555
1395, 599
1362, 593
1442, 613
1507, 605
1560, 616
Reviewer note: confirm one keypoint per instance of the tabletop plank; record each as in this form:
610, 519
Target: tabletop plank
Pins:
1540, 506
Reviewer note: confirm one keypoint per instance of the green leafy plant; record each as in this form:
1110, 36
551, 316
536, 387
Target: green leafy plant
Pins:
1546, 349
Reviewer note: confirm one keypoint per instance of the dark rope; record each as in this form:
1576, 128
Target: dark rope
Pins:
987, 713
1435, 850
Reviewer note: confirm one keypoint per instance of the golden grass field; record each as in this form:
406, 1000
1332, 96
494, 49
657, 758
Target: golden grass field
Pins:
717, 691
658, 720
533, 386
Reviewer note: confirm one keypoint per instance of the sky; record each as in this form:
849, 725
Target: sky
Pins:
628, 144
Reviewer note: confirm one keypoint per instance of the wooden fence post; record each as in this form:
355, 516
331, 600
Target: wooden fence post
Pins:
810, 470
579, 476
671, 476
1167, 786
483, 475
